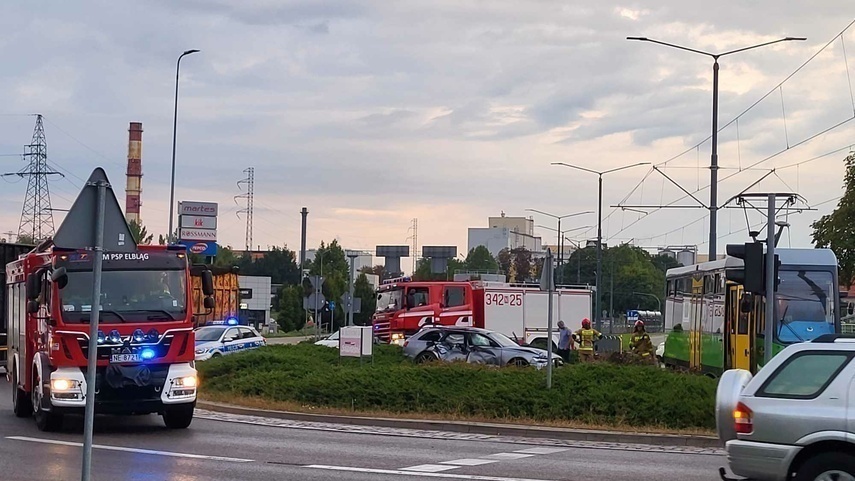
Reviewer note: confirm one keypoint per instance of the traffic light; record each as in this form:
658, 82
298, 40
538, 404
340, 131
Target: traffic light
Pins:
753, 274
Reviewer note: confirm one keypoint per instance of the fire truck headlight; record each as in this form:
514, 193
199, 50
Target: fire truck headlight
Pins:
115, 337
153, 335
138, 335
64, 385
101, 337
188, 381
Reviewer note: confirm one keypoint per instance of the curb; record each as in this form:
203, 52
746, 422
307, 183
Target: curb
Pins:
494, 429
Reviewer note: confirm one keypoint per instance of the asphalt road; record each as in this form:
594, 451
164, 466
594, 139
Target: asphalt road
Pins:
227, 447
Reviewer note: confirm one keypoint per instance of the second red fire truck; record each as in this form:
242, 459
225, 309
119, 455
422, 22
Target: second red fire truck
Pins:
518, 311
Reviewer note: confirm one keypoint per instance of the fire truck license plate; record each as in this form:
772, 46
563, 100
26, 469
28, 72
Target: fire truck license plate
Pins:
125, 358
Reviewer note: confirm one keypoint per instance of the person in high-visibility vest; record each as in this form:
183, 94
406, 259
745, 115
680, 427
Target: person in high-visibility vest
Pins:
640, 343
586, 337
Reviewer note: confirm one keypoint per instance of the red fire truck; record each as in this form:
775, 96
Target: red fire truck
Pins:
145, 342
518, 311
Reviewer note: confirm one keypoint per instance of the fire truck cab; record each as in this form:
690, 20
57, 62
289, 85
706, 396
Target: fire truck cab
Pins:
145, 354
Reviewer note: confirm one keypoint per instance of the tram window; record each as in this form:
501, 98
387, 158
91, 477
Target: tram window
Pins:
709, 288
742, 324
719, 285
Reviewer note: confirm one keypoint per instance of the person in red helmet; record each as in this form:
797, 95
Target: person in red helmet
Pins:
640, 343
586, 337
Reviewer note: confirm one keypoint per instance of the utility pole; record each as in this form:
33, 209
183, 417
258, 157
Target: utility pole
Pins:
352, 256
304, 213
770, 277
249, 195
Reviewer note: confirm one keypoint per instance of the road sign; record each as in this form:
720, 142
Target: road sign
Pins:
317, 282
315, 301
332, 305
357, 303
78, 229
547, 279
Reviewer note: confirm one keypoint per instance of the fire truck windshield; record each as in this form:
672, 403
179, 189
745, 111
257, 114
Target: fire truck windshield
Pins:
389, 300
126, 296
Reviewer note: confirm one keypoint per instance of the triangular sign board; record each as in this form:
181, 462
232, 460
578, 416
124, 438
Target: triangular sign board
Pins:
78, 229
547, 278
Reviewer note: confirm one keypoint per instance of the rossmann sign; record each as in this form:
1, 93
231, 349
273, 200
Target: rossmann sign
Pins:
205, 209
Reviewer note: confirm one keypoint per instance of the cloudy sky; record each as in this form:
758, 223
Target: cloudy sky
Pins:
372, 113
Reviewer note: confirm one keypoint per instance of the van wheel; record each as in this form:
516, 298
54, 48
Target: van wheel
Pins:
21, 403
827, 467
46, 420
178, 417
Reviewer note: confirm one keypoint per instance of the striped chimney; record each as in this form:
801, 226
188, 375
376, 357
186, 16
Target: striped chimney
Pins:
133, 188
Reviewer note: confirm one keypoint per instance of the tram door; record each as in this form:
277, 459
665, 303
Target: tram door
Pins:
696, 320
740, 328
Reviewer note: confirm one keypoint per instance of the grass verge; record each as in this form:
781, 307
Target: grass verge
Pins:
312, 378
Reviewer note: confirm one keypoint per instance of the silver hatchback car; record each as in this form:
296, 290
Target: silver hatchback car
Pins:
794, 420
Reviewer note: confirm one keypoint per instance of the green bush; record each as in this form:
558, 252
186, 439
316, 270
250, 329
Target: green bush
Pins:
599, 393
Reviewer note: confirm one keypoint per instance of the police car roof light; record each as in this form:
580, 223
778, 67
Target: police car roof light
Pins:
232, 321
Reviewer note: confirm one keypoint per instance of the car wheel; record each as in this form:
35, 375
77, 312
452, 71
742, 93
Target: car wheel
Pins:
21, 404
518, 362
828, 467
215, 355
179, 416
425, 357
730, 387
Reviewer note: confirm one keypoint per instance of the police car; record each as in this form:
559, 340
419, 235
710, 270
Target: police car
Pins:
219, 340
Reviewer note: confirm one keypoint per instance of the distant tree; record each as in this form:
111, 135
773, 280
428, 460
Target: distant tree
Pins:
424, 271
331, 262
26, 239
226, 257
505, 260
836, 231
140, 233
480, 259
522, 262
291, 316
363, 290
664, 262
279, 263
378, 270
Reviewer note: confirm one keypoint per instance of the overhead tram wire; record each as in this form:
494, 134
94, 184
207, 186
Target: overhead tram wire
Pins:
735, 120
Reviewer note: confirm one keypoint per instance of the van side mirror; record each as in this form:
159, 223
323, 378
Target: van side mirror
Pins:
59, 277
34, 285
207, 283
746, 303
208, 302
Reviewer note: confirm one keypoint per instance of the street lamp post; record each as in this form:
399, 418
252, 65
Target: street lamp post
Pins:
559, 218
565, 238
174, 131
713, 207
600, 174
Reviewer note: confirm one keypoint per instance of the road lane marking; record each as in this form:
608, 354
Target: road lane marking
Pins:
430, 468
508, 456
542, 450
130, 450
399, 472
469, 462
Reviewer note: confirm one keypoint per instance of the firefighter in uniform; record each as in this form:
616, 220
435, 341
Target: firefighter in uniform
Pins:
586, 337
640, 343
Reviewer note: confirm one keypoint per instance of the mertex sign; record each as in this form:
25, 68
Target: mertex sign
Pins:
198, 227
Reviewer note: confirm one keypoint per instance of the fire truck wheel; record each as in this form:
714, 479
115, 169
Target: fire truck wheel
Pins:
20, 401
178, 417
45, 420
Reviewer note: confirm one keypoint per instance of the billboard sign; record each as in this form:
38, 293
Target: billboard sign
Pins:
198, 234
206, 209
198, 222
206, 248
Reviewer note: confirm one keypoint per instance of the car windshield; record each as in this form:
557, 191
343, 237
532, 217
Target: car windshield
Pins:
126, 295
333, 336
503, 340
805, 305
209, 333
389, 300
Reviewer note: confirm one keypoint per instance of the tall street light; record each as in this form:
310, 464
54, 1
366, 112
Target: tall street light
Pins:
561, 248
597, 313
170, 235
559, 217
713, 207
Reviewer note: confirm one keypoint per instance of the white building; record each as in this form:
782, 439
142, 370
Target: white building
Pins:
255, 298
505, 233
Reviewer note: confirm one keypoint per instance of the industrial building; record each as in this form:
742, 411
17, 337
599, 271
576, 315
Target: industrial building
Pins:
505, 233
